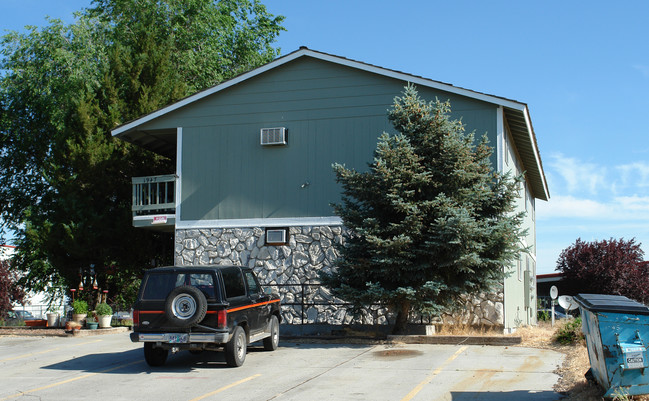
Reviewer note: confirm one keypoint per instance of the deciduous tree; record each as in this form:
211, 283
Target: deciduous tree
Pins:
64, 181
613, 266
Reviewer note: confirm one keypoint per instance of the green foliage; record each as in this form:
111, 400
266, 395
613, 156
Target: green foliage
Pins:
543, 316
8, 322
430, 221
80, 307
65, 182
103, 309
122, 322
570, 332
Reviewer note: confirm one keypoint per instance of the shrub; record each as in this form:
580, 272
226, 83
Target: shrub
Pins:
122, 322
103, 309
543, 316
570, 332
80, 307
10, 290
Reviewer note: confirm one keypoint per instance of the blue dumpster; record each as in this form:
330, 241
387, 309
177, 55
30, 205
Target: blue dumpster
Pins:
617, 336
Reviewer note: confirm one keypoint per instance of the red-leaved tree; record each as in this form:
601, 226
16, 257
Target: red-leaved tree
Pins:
612, 266
10, 291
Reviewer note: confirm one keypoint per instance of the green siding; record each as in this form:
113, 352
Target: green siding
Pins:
332, 113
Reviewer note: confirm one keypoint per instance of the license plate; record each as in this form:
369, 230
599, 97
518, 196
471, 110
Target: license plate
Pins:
177, 338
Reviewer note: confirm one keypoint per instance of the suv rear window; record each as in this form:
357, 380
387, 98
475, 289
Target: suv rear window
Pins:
159, 285
233, 282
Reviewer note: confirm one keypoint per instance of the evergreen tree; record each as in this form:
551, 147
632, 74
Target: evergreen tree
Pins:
429, 221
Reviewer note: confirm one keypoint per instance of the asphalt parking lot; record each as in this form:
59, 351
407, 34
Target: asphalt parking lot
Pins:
111, 367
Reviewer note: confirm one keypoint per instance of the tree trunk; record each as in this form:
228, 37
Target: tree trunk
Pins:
401, 324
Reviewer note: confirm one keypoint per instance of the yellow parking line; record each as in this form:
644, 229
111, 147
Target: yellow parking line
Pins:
421, 385
226, 387
22, 393
45, 352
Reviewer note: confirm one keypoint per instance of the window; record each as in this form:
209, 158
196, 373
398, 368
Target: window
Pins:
233, 282
253, 286
158, 286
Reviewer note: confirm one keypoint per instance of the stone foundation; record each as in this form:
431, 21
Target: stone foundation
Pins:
291, 270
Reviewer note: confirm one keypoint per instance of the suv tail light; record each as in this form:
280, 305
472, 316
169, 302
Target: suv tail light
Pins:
136, 317
221, 319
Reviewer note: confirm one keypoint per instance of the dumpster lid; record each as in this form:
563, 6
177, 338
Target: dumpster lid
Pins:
611, 303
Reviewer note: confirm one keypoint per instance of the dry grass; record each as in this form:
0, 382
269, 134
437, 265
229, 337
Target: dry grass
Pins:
467, 330
572, 382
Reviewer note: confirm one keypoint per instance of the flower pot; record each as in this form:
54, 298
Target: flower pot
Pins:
36, 323
79, 317
52, 320
92, 325
104, 321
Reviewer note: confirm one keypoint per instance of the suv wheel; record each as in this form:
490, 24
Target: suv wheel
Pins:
235, 349
185, 306
155, 356
271, 343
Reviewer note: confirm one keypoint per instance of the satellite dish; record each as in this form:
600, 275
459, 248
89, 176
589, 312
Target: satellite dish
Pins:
567, 302
554, 292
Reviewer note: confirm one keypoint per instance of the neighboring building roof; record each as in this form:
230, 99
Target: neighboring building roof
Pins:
516, 113
549, 278
6, 251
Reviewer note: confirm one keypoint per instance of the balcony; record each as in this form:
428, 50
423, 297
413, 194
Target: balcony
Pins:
154, 202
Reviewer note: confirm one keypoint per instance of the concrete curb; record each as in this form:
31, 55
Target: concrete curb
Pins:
98, 332
56, 332
456, 340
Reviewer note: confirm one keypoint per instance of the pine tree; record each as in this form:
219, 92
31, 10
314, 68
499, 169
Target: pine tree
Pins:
429, 221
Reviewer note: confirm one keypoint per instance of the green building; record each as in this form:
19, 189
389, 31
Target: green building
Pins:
254, 184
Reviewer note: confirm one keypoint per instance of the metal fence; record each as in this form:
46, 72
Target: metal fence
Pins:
313, 303
39, 311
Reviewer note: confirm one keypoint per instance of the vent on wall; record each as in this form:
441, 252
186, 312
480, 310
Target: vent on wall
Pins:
276, 236
273, 136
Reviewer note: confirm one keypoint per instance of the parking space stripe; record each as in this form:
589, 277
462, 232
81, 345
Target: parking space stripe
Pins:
45, 352
225, 387
22, 393
430, 377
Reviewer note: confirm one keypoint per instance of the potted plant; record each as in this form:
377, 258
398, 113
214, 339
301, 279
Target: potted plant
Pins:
104, 314
80, 310
91, 321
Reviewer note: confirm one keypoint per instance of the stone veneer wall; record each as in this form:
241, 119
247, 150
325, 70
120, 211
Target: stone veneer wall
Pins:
291, 270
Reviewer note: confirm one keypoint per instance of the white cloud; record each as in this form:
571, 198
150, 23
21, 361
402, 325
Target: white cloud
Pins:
579, 175
593, 203
569, 206
634, 174
621, 208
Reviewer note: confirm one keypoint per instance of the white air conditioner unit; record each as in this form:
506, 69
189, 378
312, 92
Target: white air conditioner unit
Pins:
273, 136
276, 236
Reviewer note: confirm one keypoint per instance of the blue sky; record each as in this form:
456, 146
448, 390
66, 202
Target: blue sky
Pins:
581, 67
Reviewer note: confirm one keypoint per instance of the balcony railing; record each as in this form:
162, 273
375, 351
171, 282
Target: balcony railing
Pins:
154, 195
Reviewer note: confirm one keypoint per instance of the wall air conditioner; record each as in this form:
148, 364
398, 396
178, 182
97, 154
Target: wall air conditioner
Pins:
273, 136
276, 236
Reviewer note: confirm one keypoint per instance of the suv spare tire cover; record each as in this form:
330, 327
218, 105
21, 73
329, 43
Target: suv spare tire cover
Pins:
185, 306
